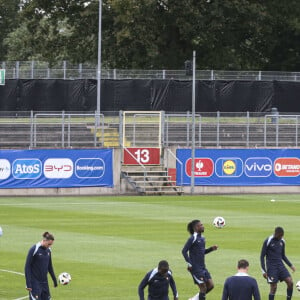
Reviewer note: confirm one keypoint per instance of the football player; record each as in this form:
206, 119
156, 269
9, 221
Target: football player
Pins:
271, 259
194, 252
37, 266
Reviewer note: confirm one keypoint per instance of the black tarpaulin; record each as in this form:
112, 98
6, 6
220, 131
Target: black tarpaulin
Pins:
9, 95
287, 96
43, 95
232, 96
141, 94
171, 95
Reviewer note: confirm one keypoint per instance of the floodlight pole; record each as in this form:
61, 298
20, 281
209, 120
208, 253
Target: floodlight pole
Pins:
99, 64
193, 123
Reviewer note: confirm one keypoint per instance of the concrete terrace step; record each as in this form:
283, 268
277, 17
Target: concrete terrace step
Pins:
158, 171
151, 181
159, 187
154, 181
162, 193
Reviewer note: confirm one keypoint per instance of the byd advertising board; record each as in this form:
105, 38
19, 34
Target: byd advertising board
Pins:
239, 167
55, 168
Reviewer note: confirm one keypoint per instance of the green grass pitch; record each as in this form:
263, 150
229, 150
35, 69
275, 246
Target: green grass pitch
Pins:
108, 244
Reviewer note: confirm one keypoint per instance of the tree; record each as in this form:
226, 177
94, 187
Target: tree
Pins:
227, 34
156, 34
53, 31
8, 22
283, 49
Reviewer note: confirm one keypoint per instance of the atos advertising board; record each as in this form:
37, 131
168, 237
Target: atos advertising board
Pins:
239, 167
55, 168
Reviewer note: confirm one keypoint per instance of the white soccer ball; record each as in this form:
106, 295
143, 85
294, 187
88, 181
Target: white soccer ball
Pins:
219, 222
64, 278
1, 231
298, 285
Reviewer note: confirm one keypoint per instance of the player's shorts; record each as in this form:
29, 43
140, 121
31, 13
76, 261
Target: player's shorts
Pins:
200, 276
277, 273
40, 291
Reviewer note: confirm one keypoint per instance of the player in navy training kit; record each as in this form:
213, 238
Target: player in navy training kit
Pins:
273, 250
38, 264
194, 254
241, 286
158, 281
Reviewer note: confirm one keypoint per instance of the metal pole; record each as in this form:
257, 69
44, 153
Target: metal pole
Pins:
193, 124
32, 69
99, 62
17, 69
65, 69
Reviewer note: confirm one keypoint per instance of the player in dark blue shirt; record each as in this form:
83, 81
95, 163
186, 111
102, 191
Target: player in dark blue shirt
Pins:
158, 281
273, 253
37, 266
241, 286
194, 254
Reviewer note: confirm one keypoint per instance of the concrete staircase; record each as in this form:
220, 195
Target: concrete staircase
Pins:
151, 181
109, 137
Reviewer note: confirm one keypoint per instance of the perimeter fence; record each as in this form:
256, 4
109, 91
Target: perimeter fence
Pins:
33, 130
66, 70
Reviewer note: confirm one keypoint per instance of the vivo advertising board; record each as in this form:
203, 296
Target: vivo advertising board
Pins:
239, 167
56, 168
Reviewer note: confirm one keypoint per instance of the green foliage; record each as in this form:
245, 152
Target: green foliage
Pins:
8, 22
108, 244
155, 34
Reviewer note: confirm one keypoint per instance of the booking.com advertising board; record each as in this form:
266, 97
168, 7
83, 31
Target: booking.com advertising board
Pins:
55, 168
239, 167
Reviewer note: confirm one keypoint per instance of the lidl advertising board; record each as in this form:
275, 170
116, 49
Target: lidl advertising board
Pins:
239, 167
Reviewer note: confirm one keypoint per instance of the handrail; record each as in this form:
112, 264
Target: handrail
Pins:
145, 171
181, 165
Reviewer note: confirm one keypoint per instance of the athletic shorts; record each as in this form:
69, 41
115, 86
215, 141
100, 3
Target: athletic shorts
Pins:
200, 276
277, 273
40, 291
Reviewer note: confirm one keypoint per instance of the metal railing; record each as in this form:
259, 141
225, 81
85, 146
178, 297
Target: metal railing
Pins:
284, 127
213, 130
65, 70
177, 160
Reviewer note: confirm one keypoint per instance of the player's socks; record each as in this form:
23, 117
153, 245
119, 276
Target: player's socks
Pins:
289, 293
271, 297
202, 296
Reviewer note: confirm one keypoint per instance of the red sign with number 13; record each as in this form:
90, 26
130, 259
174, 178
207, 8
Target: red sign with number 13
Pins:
144, 156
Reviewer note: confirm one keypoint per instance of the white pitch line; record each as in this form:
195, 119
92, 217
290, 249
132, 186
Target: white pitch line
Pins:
26, 297
55, 204
17, 273
13, 272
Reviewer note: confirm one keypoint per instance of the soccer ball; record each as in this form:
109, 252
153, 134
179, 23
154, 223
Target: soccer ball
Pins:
64, 278
1, 231
219, 222
298, 286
